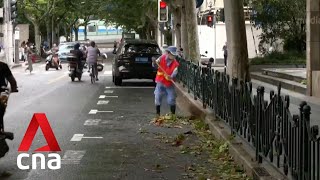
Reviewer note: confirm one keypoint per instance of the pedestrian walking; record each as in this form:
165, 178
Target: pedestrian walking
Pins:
167, 71
22, 51
225, 54
29, 59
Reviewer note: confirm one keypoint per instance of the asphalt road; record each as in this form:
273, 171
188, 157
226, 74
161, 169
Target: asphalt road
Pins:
111, 147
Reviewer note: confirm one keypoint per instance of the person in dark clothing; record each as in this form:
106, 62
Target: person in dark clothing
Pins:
79, 55
115, 47
225, 54
5, 75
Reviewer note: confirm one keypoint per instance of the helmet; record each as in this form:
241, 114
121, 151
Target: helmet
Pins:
77, 46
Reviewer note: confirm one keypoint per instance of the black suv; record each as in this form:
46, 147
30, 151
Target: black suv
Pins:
133, 60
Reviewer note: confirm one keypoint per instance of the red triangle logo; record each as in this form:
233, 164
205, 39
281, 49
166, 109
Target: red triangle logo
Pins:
39, 120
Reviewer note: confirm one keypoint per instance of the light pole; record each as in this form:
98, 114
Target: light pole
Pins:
215, 30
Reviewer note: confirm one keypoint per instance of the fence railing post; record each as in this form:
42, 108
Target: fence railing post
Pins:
306, 142
259, 113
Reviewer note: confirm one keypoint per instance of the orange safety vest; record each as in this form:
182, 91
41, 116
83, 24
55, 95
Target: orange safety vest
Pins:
168, 69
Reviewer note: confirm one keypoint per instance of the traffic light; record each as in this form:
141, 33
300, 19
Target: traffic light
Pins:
162, 11
210, 20
13, 9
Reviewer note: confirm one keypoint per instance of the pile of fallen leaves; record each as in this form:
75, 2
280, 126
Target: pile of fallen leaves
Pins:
220, 164
170, 121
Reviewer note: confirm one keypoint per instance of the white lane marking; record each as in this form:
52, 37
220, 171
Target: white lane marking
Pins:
92, 137
108, 91
102, 102
72, 157
43, 65
79, 137
108, 72
95, 111
92, 122
104, 96
131, 87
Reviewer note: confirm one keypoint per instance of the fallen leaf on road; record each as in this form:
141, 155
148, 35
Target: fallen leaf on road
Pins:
180, 127
178, 140
143, 131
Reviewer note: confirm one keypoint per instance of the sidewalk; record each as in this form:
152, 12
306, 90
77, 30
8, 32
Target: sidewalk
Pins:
295, 100
22, 64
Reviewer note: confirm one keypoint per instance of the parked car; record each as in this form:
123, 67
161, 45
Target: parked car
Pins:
64, 50
133, 60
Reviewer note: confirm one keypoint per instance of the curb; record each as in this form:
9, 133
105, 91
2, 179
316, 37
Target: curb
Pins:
242, 153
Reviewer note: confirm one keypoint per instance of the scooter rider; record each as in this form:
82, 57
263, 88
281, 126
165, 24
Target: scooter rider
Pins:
54, 51
5, 75
79, 56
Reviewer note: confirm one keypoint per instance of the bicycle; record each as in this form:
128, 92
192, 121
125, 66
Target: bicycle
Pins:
92, 74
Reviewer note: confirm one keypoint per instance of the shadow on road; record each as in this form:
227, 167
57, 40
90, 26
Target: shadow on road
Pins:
138, 84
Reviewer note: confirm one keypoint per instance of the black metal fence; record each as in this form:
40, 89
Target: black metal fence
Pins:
285, 140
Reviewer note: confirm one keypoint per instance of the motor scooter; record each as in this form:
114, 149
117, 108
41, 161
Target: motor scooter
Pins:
4, 97
52, 61
74, 70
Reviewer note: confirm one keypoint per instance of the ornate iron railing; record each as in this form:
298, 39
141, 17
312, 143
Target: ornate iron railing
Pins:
285, 140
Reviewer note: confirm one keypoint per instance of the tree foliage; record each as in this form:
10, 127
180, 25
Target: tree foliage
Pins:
136, 15
281, 20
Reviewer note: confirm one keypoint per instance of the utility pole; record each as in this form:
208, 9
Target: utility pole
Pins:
313, 42
8, 32
238, 64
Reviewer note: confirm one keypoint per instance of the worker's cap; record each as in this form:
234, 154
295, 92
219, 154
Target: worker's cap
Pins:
172, 50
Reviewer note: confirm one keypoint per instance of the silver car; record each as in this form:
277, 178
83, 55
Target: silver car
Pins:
64, 51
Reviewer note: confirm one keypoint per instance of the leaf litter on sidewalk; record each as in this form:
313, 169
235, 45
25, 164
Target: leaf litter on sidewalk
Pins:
210, 156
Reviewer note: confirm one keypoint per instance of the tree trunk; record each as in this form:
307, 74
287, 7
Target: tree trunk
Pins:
37, 36
48, 28
192, 27
238, 65
58, 33
66, 33
184, 33
177, 26
76, 33
85, 31
53, 31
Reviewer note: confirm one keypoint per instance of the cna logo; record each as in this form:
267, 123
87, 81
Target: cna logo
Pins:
40, 120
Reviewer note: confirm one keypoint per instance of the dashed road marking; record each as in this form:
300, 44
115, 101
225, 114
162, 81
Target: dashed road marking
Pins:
79, 137
57, 79
108, 91
72, 157
92, 122
95, 111
102, 102
104, 96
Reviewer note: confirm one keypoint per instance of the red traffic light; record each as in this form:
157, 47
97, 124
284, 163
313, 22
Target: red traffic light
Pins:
163, 4
209, 18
